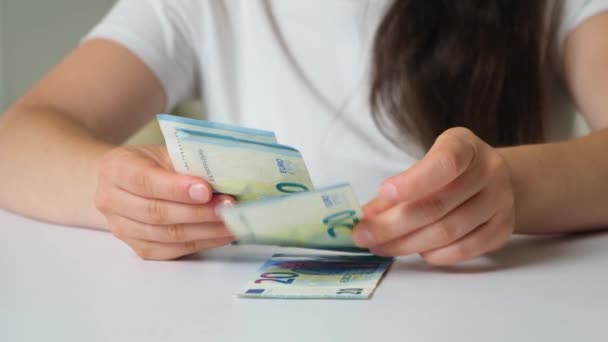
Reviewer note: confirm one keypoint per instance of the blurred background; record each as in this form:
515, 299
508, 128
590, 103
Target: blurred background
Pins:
36, 34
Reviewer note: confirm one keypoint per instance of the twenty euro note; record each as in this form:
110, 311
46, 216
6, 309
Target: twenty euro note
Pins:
277, 202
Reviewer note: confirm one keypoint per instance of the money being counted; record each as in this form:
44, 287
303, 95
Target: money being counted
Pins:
277, 203
317, 277
277, 206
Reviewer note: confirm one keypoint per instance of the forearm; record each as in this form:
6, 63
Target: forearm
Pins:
561, 187
49, 167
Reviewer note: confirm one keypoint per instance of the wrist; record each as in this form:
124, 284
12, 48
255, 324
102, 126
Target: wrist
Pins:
519, 160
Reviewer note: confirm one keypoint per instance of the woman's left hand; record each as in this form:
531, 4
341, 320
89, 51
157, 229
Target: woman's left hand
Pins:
454, 204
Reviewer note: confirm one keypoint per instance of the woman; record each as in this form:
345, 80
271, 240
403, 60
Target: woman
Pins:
362, 88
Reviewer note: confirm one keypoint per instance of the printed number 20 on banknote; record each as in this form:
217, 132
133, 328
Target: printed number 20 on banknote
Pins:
317, 277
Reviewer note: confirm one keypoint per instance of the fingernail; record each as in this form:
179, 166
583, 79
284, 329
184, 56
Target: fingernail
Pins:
388, 191
199, 193
225, 204
362, 236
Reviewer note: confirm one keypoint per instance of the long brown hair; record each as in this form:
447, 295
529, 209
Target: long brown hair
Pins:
471, 63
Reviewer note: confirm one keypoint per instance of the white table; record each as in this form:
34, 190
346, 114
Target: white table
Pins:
68, 284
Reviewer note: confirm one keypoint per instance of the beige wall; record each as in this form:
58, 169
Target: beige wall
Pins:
36, 34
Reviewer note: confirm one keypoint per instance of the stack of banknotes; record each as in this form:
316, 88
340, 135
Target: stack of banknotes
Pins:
277, 202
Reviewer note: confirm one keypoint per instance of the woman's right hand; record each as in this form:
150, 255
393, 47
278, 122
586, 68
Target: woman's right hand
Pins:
159, 213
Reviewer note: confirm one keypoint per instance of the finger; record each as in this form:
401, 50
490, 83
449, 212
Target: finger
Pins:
458, 223
160, 212
125, 228
151, 250
452, 154
144, 178
404, 218
489, 237
376, 206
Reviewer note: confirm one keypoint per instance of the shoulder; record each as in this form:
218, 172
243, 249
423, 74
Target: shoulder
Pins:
184, 13
569, 14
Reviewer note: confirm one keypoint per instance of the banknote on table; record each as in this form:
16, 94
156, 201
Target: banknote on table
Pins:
320, 219
245, 163
317, 277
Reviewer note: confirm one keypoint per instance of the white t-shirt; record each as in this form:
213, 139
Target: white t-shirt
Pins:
299, 68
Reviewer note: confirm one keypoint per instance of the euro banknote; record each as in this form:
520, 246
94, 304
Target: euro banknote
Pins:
317, 277
242, 162
170, 123
319, 219
277, 203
